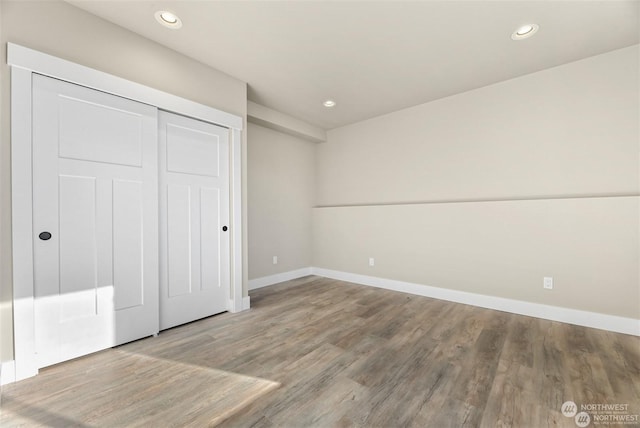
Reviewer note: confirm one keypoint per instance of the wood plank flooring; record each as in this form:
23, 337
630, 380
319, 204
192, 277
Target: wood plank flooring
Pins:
324, 353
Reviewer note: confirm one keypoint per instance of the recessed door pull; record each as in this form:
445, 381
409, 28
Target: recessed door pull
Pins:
225, 228
45, 236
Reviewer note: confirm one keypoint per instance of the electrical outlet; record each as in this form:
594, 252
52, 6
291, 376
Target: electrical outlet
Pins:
372, 261
275, 260
547, 283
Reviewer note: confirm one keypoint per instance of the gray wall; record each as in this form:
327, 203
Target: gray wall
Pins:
490, 190
59, 29
281, 173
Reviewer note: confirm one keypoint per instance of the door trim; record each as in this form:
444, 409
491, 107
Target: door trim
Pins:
24, 62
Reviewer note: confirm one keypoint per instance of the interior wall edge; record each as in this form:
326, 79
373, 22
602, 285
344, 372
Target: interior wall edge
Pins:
596, 320
553, 313
483, 200
280, 200
504, 249
269, 118
278, 278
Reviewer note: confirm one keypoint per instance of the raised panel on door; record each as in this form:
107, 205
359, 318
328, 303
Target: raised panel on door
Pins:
211, 236
78, 252
128, 244
101, 141
95, 192
179, 260
194, 207
192, 151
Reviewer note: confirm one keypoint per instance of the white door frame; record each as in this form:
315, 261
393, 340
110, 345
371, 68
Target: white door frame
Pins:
24, 62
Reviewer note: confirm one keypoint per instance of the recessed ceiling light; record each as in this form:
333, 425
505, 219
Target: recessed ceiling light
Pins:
168, 19
524, 32
329, 103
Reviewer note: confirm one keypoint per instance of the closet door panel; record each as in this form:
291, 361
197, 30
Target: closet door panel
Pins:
95, 220
194, 208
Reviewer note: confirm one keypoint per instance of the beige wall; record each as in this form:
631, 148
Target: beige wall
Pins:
518, 153
62, 30
588, 246
281, 178
569, 130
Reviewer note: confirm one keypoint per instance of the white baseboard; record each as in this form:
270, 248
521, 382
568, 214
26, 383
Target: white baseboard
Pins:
279, 277
7, 372
246, 303
553, 313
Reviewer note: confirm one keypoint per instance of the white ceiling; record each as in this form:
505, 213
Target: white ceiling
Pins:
374, 57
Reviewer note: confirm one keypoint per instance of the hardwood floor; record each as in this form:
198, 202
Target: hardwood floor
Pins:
324, 353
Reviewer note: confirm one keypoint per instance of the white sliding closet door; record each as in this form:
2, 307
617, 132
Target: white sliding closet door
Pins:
95, 219
194, 218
